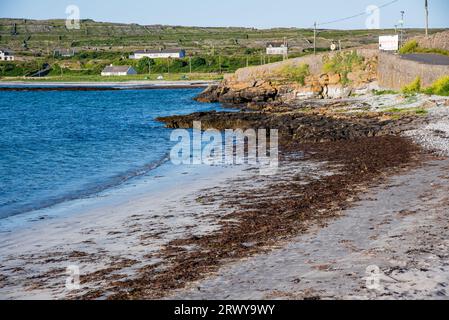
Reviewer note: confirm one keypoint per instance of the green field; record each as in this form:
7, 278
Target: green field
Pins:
99, 78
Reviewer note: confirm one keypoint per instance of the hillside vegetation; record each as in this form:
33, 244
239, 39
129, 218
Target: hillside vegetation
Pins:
209, 50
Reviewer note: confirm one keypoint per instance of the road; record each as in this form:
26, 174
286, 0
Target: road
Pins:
427, 58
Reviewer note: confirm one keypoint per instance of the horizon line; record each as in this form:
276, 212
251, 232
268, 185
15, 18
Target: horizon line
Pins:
224, 27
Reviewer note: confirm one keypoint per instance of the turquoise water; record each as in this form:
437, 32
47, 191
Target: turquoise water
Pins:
59, 146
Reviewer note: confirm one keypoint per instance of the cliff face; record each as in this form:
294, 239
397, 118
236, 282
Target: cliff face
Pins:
299, 78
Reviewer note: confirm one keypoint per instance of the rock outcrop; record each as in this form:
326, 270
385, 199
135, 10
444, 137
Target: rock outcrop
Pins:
268, 84
296, 126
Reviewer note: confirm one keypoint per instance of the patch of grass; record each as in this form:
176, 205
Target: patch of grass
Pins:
383, 92
412, 46
421, 111
439, 87
295, 73
342, 64
414, 87
417, 111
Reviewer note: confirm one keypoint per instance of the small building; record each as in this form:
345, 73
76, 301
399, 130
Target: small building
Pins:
6, 55
118, 71
65, 53
277, 48
159, 54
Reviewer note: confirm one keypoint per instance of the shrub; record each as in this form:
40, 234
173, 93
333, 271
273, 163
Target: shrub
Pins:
410, 47
439, 87
414, 87
295, 73
413, 47
342, 64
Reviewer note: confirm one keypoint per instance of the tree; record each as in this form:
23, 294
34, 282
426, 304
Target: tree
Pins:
143, 65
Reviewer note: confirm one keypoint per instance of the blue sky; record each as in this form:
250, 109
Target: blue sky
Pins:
248, 13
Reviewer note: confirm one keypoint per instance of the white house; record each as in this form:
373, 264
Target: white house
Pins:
159, 54
65, 53
118, 71
277, 48
6, 55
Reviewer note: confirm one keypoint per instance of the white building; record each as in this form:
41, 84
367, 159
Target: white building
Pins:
159, 54
65, 53
277, 48
118, 71
6, 55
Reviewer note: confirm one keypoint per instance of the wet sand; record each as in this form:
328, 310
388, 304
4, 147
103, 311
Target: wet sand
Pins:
399, 227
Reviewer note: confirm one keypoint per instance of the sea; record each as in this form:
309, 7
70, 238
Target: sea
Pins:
58, 146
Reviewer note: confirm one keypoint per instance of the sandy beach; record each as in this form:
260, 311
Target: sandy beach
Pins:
333, 210
112, 234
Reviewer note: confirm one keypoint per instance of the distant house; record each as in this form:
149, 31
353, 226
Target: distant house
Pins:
162, 54
118, 71
6, 55
277, 48
65, 53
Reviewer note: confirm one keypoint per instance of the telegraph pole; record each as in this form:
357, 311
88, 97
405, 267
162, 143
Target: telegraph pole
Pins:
426, 4
314, 38
402, 28
190, 63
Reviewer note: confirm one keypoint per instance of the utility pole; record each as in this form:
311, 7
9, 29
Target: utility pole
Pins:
314, 38
149, 66
426, 4
402, 27
190, 64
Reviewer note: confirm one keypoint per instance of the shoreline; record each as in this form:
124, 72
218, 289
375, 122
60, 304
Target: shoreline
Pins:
166, 240
94, 86
101, 231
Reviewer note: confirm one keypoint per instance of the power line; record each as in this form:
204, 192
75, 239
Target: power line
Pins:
356, 15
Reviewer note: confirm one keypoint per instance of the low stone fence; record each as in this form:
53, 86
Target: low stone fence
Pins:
395, 72
437, 41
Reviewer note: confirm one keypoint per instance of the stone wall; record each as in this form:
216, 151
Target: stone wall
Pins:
395, 72
315, 63
437, 41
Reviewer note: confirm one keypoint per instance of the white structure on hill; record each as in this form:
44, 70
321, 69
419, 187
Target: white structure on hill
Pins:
6, 55
159, 54
118, 71
277, 48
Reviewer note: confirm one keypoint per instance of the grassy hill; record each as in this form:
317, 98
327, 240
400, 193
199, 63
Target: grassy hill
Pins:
40, 35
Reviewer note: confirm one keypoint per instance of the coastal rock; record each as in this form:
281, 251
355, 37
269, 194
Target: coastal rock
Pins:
338, 92
334, 79
300, 127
